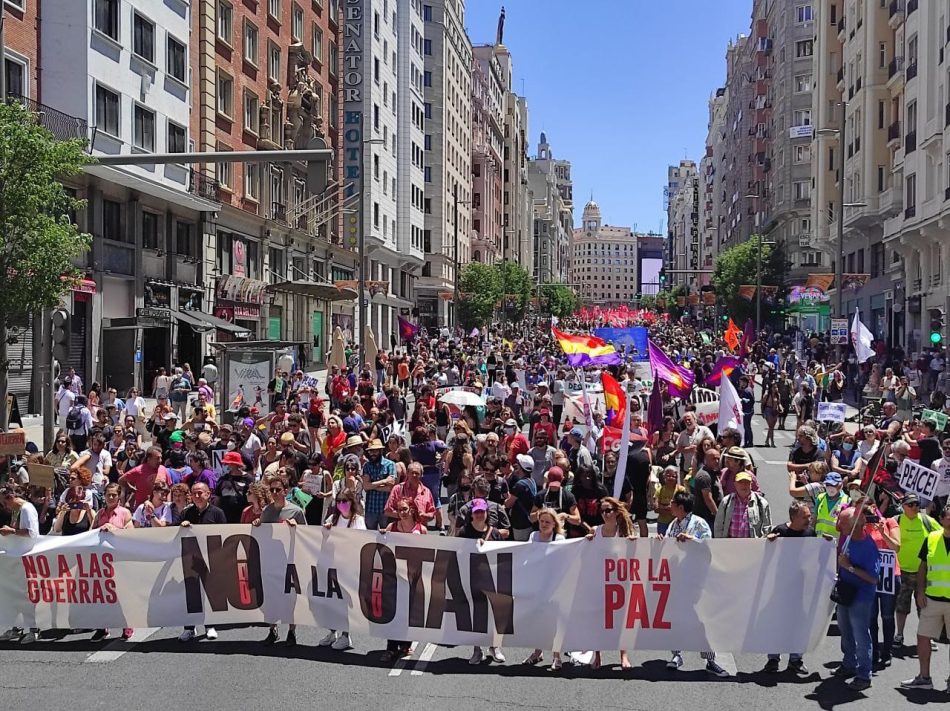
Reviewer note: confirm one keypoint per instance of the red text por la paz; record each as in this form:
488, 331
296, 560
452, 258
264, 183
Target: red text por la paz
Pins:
80, 579
642, 594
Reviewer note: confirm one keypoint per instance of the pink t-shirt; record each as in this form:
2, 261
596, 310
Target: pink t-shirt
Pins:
119, 517
143, 478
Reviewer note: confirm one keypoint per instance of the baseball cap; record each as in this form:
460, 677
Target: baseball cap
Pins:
170, 416
576, 432
248, 422
544, 411
510, 422
910, 499
555, 477
479, 505
743, 476
833, 478
525, 462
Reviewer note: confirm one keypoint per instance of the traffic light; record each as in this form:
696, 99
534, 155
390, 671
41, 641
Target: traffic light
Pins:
725, 317
59, 334
936, 327
662, 278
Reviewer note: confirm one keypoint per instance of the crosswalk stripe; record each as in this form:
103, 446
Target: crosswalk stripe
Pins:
119, 647
424, 659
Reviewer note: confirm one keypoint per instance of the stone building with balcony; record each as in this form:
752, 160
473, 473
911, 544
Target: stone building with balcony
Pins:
488, 128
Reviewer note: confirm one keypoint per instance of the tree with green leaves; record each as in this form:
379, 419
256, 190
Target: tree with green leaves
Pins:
479, 288
38, 241
558, 300
516, 287
736, 267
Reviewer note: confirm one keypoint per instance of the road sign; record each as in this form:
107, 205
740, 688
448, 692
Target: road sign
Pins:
839, 331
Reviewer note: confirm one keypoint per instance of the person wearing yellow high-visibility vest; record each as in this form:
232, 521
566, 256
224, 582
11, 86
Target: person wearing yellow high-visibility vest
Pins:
914, 527
828, 504
933, 598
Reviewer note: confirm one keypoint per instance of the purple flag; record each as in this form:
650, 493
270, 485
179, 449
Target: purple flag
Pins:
748, 337
581, 360
723, 367
655, 409
679, 380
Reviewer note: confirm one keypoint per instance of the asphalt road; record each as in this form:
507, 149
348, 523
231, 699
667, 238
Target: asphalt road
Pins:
155, 671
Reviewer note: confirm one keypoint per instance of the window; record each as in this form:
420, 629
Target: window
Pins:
273, 62
143, 38
801, 117
112, 220
802, 189
107, 17
427, 47
273, 9
225, 22
251, 113
317, 43
332, 59
427, 13
911, 193
107, 110
803, 83
143, 129
427, 78
175, 64
16, 73
296, 22
252, 181
185, 243
177, 138
250, 44
804, 48
800, 154
150, 230
428, 174
803, 14
225, 94
222, 171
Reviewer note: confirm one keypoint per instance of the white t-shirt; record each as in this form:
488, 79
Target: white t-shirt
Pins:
135, 406
359, 523
162, 513
867, 450
29, 519
535, 537
251, 445
942, 467
97, 464
64, 400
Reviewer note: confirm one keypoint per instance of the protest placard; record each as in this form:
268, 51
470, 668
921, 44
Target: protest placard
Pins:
12, 443
831, 411
42, 475
915, 479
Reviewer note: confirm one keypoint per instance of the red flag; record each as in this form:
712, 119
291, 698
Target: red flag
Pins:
732, 335
615, 399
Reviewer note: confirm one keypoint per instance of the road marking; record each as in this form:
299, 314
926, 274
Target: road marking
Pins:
119, 647
424, 659
401, 663
773, 461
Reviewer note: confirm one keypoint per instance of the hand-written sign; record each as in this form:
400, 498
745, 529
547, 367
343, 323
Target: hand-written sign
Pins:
915, 479
831, 411
12, 443
42, 475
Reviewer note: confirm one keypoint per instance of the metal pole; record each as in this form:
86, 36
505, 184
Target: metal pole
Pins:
455, 269
758, 283
839, 262
361, 256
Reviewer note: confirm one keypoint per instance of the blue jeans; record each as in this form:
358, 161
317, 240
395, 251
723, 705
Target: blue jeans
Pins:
884, 605
854, 623
791, 657
375, 521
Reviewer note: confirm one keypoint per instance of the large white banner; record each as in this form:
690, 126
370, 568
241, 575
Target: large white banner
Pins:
749, 596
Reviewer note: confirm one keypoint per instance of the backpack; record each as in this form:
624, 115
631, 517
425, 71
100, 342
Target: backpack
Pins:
74, 419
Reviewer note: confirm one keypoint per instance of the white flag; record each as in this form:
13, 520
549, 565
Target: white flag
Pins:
621, 474
730, 408
861, 338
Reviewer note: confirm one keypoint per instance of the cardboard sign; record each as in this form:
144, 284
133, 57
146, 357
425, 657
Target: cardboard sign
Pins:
831, 411
886, 578
937, 417
915, 479
12, 443
42, 475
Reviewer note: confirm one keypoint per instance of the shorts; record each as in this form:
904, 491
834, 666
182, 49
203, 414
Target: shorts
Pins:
638, 508
933, 618
662, 527
905, 594
313, 421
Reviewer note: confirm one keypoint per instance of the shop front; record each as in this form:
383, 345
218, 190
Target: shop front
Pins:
238, 301
809, 309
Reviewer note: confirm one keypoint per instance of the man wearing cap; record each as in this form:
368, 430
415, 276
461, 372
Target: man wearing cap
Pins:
554, 496
522, 491
914, 526
163, 436
735, 460
379, 478
577, 452
744, 513
231, 488
515, 441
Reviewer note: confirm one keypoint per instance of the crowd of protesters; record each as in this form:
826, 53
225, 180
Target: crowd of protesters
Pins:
376, 448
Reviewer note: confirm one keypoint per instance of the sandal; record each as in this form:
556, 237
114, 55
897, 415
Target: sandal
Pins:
533, 658
595, 663
555, 665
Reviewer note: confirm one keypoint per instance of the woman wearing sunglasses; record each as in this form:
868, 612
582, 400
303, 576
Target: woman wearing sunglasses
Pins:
62, 454
617, 524
112, 517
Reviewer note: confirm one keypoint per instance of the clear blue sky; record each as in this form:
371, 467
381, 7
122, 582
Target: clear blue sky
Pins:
621, 87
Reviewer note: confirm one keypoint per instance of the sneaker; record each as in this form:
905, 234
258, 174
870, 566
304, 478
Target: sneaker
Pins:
797, 666
713, 668
676, 661
342, 642
918, 682
933, 646
271, 637
771, 666
187, 636
843, 672
28, 638
291, 640
11, 635
898, 641
859, 684
476, 657
211, 634
100, 635
328, 640
496, 655
127, 633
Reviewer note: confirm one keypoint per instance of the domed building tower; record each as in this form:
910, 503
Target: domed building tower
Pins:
592, 220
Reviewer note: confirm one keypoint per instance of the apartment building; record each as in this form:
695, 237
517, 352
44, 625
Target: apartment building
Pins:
448, 157
604, 261
739, 183
683, 258
488, 135
549, 181
712, 178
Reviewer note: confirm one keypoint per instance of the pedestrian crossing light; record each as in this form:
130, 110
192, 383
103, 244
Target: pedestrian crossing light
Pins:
936, 327
936, 337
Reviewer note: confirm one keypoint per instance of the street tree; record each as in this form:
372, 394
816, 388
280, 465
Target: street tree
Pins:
558, 300
479, 288
736, 267
39, 243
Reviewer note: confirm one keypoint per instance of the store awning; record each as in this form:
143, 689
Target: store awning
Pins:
200, 321
324, 292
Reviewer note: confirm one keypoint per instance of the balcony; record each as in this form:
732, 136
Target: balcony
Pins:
910, 212
910, 142
911, 70
911, 6
895, 72
63, 126
278, 212
891, 202
896, 16
201, 185
893, 133
841, 28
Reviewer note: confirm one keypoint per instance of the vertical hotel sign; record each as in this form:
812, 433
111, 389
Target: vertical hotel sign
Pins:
353, 114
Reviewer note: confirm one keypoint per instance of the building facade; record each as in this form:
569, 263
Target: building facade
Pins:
488, 132
549, 181
448, 156
604, 261
683, 257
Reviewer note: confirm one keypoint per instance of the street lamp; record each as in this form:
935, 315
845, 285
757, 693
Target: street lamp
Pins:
361, 255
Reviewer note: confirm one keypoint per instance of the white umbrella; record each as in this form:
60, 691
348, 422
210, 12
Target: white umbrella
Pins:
462, 398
